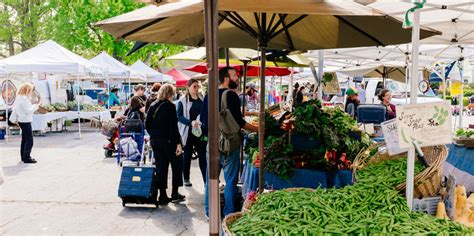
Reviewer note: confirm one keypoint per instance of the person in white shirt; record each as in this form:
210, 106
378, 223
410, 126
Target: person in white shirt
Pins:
23, 109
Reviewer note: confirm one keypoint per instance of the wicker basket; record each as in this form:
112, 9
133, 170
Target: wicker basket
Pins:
228, 220
467, 142
427, 182
61, 109
42, 110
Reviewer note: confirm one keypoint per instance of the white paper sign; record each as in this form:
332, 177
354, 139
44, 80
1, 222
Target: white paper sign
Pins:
428, 124
390, 134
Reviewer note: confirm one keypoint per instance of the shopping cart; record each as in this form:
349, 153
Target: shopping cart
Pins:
131, 144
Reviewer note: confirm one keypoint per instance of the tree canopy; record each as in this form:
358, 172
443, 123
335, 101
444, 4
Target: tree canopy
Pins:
25, 23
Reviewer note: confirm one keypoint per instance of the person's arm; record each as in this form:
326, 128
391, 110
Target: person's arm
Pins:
391, 113
149, 119
233, 104
24, 108
175, 137
180, 113
203, 116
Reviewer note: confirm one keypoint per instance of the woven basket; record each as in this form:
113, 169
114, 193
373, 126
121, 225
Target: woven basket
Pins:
228, 220
62, 109
41, 110
467, 142
428, 182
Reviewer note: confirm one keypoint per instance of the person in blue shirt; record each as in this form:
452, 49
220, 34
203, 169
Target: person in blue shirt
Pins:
113, 98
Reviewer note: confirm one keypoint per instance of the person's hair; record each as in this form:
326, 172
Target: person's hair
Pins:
166, 91
156, 87
382, 94
223, 73
136, 102
139, 87
26, 89
114, 90
297, 85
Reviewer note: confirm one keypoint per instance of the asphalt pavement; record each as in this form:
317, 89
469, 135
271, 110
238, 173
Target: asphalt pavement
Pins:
72, 190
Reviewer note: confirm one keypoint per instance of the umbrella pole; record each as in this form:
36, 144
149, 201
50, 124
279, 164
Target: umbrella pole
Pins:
289, 99
108, 92
226, 52
210, 30
261, 127
243, 112
413, 96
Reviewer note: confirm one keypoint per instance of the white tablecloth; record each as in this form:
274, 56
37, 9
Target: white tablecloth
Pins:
40, 121
101, 115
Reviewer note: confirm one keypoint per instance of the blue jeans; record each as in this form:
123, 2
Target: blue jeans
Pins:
230, 164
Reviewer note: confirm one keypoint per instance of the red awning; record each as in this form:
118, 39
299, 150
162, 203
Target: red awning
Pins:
180, 77
252, 71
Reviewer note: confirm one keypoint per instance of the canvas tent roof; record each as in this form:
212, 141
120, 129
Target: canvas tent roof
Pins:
116, 69
49, 57
151, 74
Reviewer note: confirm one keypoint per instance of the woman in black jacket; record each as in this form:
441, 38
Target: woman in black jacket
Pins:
162, 125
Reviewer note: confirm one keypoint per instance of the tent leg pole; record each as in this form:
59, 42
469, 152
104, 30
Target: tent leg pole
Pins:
78, 109
7, 127
413, 99
210, 33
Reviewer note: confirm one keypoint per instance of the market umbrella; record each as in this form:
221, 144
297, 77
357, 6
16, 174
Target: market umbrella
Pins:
178, 76
252, 71
385, 71
302, 25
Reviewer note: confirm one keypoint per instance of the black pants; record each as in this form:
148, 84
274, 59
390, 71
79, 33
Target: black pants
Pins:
164, 154
26, 141
193, 143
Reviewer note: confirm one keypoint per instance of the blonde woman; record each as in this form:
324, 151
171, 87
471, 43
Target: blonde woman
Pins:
23, 109
162, 125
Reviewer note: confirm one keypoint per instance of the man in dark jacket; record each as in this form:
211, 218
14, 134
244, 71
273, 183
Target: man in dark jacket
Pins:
230, 163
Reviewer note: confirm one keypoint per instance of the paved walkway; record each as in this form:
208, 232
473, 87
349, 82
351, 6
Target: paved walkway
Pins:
72, 190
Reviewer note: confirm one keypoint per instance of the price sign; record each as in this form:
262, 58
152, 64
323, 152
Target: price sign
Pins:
331, 84
427, 124
390, 134
456, 88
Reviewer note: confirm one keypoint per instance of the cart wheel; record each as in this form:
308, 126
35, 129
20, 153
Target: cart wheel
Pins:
123, 203
108, 153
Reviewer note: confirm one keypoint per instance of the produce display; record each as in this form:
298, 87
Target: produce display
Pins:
60, 107
332, 135
372, 206
92, 108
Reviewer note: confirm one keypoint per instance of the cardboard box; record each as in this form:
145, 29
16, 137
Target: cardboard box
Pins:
427, 205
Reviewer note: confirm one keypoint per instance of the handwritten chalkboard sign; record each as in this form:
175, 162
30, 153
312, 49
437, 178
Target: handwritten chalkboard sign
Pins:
390, 134
427, 124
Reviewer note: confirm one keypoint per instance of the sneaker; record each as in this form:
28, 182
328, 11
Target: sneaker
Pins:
187, 183
30, 161
164, 200
177, 197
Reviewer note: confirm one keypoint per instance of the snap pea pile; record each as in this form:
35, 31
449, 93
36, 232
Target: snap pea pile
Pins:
371, 206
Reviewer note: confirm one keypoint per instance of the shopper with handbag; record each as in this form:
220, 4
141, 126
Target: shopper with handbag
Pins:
162, 125
189, 107
23, 115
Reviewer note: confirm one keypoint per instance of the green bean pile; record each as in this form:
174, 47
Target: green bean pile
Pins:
369, 207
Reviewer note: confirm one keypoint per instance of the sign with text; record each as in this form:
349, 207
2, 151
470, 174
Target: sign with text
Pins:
390, 134
331, 84
427, 124
456, 88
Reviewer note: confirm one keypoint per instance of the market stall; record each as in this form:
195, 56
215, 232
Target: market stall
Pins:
312, 147
40, 121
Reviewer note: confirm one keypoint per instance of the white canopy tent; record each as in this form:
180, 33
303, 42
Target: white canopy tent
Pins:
152, 75
52, 58
116, 70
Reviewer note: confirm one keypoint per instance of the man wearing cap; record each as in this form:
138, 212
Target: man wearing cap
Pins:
352, 102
